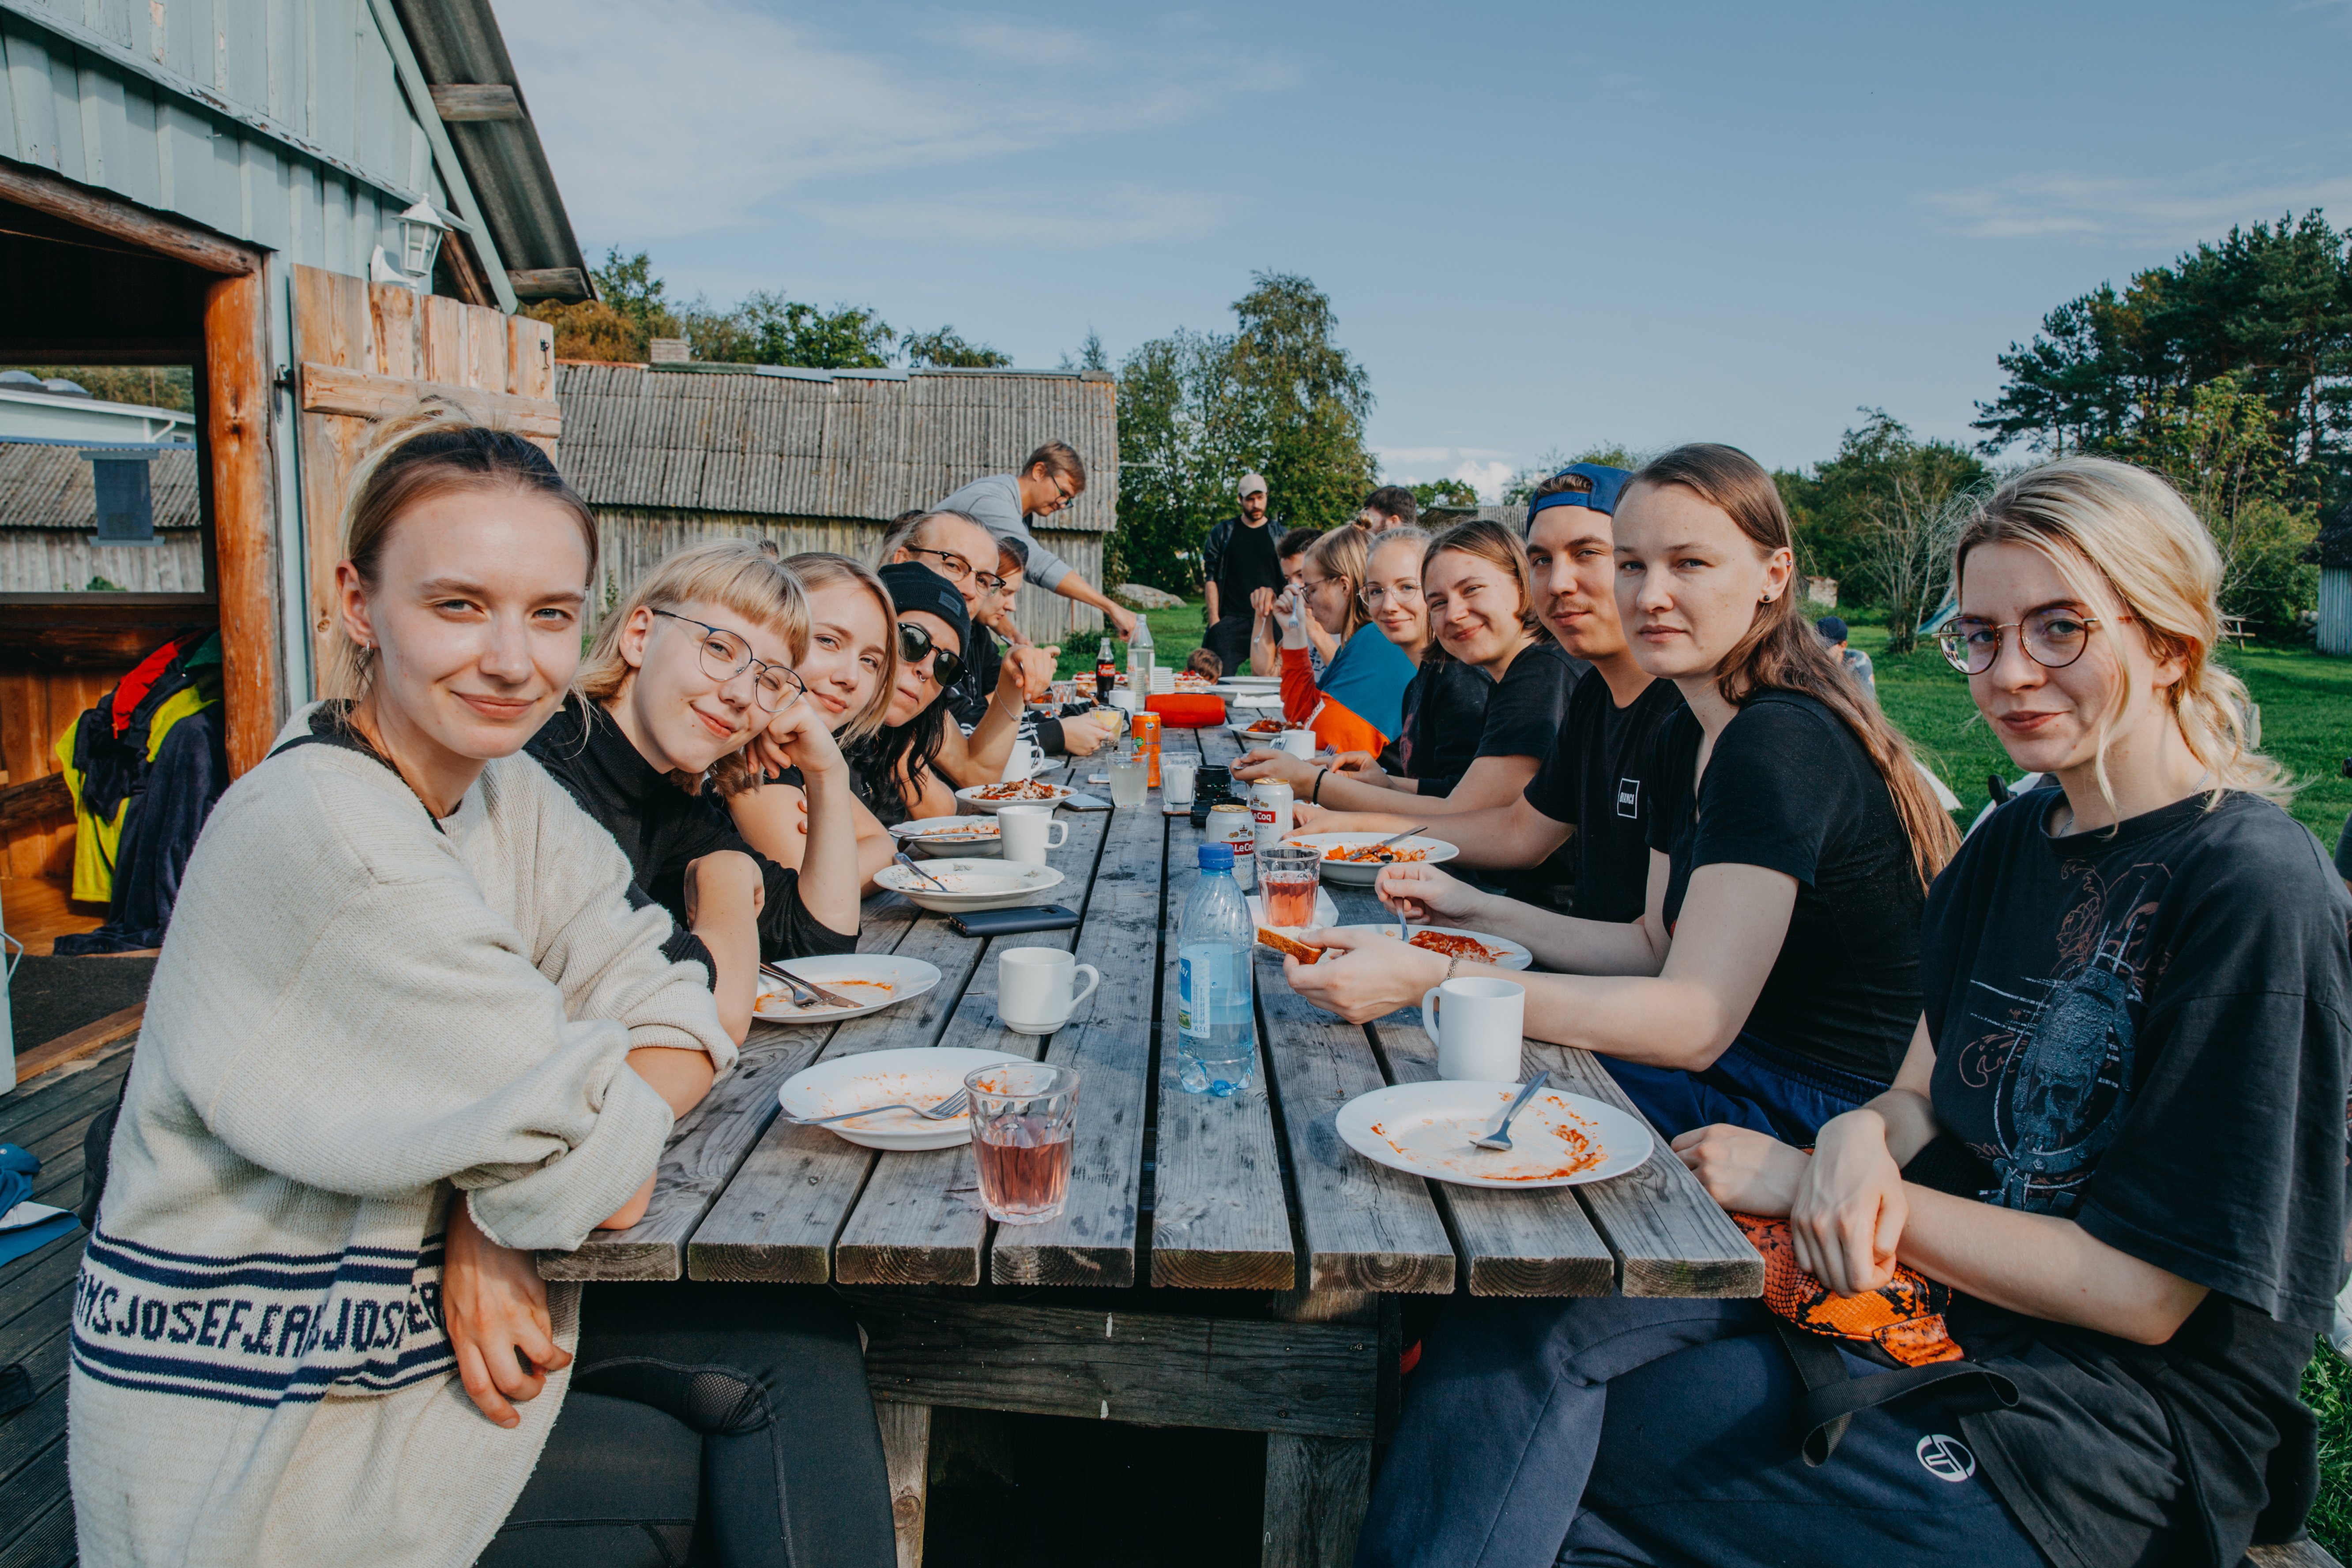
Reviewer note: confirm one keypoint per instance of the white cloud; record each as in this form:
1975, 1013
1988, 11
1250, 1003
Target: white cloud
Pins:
2159, 212
700, 114
1431, 456
1481, 468
1487, 478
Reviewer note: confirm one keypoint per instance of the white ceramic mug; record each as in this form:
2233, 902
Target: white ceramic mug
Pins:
1027, 758
1036, 985
1485, 1027
1176, 781
1299, 743
1026, 832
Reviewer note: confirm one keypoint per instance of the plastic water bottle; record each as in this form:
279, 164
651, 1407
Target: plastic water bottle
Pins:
1216, 1034
1139, 661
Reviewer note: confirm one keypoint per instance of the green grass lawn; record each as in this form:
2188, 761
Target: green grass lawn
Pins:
1174, 634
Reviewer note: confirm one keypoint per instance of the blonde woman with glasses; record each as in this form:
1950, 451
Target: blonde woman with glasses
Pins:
1359, 703
691, 693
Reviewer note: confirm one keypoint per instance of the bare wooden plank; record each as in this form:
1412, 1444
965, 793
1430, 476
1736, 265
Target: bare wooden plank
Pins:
45, 193
80, 1042
778, 1216
1670, 1238
1513, 1244
706, 1148
1244, 1374
2293, 1554
1108, 1042
907, 1451
1317, 1490
1362, 1227
1219, 1216
237, 406
456, 101
331, 389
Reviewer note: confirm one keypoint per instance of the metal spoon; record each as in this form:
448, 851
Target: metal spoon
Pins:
1499, 1135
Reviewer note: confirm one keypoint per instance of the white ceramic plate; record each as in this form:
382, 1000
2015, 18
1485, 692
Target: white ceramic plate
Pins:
971, 884
972, 798
1242, 733
920, 1074
1255, 700
1362, 873
1252, 682
1560, 1140
1514, 955
972, 837
875, 980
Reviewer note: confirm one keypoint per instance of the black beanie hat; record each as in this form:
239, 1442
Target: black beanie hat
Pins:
915, 586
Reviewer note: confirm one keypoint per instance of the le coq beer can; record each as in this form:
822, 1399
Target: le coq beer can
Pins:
1270, 803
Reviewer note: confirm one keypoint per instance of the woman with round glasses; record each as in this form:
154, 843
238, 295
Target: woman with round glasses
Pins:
1359, 703
2117, 1138
691, 689
897, 771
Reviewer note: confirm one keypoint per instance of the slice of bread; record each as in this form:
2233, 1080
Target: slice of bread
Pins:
1269, 937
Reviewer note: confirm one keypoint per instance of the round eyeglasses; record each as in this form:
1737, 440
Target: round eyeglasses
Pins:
725, 655
1372, 595
2050, 638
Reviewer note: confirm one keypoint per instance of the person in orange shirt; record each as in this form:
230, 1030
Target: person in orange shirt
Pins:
1359, 703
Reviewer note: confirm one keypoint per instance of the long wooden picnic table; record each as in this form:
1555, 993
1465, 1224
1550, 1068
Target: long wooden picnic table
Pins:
1101, 1312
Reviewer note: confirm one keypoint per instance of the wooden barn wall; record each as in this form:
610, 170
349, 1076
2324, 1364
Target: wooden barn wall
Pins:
53, 560
307, 146
632, 540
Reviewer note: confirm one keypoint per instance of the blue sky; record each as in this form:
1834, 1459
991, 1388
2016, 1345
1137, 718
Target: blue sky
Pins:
1541, 225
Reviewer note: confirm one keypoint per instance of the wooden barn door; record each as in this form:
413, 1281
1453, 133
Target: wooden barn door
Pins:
367, 351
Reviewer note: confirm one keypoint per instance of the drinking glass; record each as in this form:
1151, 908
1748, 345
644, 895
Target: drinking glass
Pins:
1288, 875
1176, 782
1129, 778
1022, 1114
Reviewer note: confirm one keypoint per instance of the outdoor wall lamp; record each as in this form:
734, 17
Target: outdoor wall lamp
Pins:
422, 231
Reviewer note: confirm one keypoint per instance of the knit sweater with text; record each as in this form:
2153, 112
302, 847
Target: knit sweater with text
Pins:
357, 1012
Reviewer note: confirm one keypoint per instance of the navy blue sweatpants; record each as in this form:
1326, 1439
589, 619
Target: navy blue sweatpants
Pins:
1754, 1084
1617, 1431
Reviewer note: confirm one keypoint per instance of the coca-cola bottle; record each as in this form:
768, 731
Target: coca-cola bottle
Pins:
1106, 673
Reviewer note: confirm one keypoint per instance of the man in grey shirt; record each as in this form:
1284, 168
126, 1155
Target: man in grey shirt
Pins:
1051, 479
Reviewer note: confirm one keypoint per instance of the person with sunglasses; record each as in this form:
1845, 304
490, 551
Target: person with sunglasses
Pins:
950, 544
1050, 480
896, 770
690, 689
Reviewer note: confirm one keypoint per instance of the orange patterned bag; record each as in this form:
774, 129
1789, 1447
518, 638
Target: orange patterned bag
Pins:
1904, 1317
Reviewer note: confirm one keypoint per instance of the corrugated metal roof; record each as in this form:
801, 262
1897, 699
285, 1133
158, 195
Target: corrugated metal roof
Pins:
48, 485
811, 445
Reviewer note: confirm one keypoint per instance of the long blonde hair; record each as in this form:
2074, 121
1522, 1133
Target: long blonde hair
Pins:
821, 569
1781, 652
736, 575
2130, 527
1345, 554
432, 450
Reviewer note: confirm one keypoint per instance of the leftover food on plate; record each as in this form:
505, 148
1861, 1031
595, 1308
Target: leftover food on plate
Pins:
1374, 854
1021, 789
1456, 946
860, 992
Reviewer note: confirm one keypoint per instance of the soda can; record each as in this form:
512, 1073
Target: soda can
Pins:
1231, 822
1270, 805
1145, 728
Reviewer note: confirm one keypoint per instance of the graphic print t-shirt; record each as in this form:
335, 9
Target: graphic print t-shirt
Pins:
2146, 1032
1597, 780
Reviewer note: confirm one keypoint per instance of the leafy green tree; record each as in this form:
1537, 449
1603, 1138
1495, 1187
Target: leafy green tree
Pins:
1443, 492
630, 288
1196, 410
1090, 354
945, 348
1880, 517
787, 331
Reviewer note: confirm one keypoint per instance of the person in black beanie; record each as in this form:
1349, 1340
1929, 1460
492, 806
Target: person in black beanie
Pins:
895, 770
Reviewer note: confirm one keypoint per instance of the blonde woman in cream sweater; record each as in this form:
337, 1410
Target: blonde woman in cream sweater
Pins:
407, 1029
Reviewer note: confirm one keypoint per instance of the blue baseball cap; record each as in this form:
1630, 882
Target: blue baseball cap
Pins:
1608, 484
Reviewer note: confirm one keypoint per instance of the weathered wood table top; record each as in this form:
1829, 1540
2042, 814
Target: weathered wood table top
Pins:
1168, 1189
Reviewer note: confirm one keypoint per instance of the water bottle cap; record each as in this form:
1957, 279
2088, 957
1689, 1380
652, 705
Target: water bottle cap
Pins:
1216, 857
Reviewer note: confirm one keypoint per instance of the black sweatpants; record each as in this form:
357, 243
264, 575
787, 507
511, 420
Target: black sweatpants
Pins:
709, 1423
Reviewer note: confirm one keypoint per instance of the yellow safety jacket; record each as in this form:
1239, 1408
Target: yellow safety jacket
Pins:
96, 838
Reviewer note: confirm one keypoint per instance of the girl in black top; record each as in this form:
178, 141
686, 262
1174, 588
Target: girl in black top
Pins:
690, 688
1773, 975
896, 773
1483, 711
2118, 1137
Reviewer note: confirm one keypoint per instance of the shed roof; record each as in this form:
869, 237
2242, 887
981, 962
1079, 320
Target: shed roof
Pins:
801, 443
50, 485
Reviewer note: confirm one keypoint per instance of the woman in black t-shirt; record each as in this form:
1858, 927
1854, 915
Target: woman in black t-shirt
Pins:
1772, 979
2118, 1137
1487, 700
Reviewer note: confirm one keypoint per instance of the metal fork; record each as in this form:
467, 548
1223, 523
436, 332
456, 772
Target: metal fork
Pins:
1499, 1135
901, 857
946, 1109
805, 990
